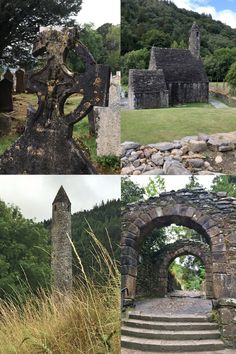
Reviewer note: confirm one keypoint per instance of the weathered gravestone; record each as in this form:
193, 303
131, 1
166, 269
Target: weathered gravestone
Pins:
6, 101
8, 75
108, 124
20, 81
47, 146
5, 124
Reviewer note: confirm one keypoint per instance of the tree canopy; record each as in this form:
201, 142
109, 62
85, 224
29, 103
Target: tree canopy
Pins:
24, 253
20, 21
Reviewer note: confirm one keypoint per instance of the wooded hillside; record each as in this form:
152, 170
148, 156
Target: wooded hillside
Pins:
145, 23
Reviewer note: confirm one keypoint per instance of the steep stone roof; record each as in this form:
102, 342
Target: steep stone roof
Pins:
179, 65
62, 197
144, 81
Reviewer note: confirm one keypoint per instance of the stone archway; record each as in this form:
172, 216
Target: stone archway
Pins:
210, 214
213, 215
182, 248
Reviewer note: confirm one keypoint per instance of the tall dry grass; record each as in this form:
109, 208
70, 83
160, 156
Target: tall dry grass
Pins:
85, 321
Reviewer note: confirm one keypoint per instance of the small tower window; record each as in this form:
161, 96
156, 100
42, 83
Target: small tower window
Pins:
55, 207
197, 34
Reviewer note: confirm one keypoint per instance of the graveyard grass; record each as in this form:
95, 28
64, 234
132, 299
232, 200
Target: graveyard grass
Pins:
86, 320
167, 124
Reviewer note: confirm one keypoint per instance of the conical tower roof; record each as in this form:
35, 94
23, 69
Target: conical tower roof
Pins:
62, 197
195, 26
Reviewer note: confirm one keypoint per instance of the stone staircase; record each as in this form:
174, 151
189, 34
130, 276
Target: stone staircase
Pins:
170, 334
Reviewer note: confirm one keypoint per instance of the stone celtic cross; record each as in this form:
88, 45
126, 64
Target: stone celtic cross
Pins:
47, 146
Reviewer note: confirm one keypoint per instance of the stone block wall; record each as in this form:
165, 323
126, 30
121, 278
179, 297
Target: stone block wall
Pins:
187, 92
147, 89
226, 309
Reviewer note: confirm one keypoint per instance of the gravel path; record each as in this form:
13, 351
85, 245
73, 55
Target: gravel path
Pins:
217, 104
175, 306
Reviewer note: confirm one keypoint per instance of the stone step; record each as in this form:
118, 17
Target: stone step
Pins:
166, 318
167, 346
179, 326
170, 335
222, 351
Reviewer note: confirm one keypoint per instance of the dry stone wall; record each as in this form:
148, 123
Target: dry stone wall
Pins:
201, 154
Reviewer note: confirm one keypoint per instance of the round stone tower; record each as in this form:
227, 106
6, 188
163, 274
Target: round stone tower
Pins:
61, 246
194, 41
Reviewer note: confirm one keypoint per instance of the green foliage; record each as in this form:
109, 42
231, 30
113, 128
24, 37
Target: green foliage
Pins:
20, 21
112, 44
136, 59
177, 232
104, 220
224, 184
155, 186
149, 22
231, 78
130, 191
156, 38
103, 43
109, 160
182, 44
189, 272
24, 254
193, 183
218, 63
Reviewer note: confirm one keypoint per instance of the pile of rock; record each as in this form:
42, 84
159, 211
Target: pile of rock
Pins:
201, 154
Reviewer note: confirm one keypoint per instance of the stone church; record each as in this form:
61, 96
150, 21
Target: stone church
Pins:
175, 76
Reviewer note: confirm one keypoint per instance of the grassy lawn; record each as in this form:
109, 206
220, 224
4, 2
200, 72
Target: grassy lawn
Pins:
7, 141
156, 125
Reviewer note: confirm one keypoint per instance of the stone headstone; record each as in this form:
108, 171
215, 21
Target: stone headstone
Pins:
108, 124
47, 145
6, 101
20, 81
8, 75
5, 124
91, 119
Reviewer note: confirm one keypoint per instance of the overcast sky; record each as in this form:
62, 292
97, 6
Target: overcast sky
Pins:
224, 11
174, 182
35, 194
99, 12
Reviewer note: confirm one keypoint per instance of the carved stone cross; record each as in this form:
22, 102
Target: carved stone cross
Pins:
47, 146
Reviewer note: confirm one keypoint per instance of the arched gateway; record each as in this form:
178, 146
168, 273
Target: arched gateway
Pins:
213, 215
182, 248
